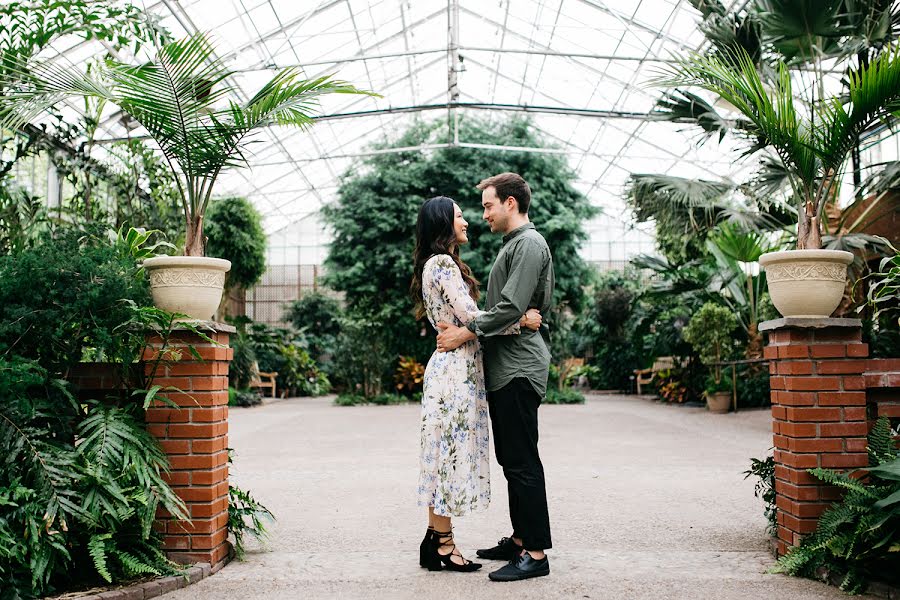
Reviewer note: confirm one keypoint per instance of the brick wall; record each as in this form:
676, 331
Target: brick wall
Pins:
825, 396
194, 434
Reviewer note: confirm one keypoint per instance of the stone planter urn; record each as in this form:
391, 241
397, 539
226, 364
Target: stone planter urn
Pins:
806, 283
191, 285
718, 402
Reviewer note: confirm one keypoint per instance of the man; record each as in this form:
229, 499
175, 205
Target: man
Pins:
516, 369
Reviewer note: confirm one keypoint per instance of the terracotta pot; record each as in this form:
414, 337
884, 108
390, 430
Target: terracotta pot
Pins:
806, 283
191, 285
718, 402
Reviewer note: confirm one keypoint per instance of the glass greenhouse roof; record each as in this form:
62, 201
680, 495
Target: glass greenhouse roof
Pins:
579, 67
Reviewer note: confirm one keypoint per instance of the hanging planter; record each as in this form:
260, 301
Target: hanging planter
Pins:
190, 285
806, 283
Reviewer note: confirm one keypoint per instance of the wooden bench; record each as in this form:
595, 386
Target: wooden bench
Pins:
262, 379
646, 376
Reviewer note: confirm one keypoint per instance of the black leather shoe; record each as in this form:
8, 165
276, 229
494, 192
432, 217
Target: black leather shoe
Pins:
523, 567
506, 549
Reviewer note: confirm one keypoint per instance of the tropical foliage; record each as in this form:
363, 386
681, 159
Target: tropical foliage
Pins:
858, 538
186, 103
82, 479
803, 140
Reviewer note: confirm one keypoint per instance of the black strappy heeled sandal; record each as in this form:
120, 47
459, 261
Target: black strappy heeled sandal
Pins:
425, 546
438, 561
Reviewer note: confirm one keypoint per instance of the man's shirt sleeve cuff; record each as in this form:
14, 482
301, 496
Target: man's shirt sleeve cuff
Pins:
473, 327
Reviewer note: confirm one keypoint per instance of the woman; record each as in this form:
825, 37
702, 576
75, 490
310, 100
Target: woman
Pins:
455, 466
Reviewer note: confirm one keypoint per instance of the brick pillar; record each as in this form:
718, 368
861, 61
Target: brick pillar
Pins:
194, 436
818, 414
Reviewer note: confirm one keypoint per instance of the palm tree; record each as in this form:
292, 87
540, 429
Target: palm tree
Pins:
813, 147
802, 35
187, 105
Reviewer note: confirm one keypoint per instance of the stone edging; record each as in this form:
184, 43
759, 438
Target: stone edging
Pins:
158, 587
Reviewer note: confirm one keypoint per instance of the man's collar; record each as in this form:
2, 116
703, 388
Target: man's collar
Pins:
518, 231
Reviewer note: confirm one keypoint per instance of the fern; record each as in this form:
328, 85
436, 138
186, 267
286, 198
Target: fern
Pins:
858, 537
97, 550
881, 443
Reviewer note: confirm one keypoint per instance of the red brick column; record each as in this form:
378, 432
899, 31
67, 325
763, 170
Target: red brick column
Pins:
195, 437
818, 414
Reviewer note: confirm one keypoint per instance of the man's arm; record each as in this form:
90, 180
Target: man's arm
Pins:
525, 268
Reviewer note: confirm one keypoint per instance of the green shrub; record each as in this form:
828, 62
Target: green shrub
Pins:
317, 317
752, 387
235, 233
70, 294
240, 371
266, 342
81, 479
722, 385
564, 396
363, 362
244, 397
378, 399
710, 333
349, 400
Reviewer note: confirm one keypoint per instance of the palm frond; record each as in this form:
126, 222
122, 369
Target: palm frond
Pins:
802, 30
772, 114
682, 105
874, 93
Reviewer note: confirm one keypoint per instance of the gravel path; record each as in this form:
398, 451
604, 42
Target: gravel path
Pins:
646, 501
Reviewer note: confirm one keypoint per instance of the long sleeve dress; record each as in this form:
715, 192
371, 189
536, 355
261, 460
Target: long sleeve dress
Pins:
454, 472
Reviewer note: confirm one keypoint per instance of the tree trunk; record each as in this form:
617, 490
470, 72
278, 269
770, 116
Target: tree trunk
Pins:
194, 242
808, 235
755, 342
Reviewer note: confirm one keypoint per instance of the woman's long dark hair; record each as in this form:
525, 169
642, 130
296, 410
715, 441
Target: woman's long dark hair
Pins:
435, 235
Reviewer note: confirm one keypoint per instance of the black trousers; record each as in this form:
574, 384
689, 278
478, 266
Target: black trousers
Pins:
514, 422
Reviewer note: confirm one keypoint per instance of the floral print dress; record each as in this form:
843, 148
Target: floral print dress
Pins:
454, 476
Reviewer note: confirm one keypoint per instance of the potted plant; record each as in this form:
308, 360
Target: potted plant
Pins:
813, 140
718, 394
709, 333
187, 102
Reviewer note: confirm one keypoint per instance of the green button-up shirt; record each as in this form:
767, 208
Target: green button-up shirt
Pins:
521, 278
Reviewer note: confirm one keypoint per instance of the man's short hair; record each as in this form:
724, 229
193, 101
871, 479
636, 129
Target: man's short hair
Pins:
509, 184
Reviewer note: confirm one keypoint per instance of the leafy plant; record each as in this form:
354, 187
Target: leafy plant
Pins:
363, 361
564, 396
240, 371
813, 148
409, 376
670, 386
714, 386
82, 479
185, 102
884, 287
299, 374
317, 317
709, 332
243, 398
858, 538
764, 488
246, 516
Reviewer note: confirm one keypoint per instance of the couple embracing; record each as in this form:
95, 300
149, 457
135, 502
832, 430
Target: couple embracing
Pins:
494, 361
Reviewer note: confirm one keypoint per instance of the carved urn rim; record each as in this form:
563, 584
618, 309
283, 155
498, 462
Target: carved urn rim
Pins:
826, 256
188, 262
